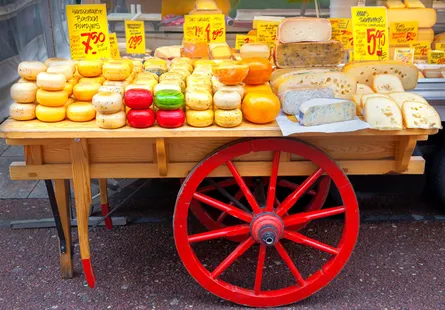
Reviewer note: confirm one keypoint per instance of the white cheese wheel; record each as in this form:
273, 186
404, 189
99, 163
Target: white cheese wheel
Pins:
24, 92
227, 100
238, 88
228, 118
111, 121
51, 60
159, 87
198, 100
80, 111
65, 62
85, 91
383, 114
30, 69
51, 81
52, 98
90, 68
22, 80
107, 103
50, 114
199, 118
420, 115
112, 89
65, 70
22, 111
116, 71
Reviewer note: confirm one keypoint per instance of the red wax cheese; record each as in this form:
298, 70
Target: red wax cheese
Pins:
141, 118
138, 98
170, 118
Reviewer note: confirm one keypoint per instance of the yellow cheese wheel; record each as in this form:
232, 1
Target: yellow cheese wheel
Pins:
65, 70
30, 69
111, 121
51, 81
64, 62
199, 80
227, 100
170, 76
74, 80
147, 75
68, 89
98, 79
205, 62
52, 98
85, 91
159, 87
129, 79
137, 66
126, 60
116, 71
70, 101
24, 92
178, 82
80, 111
112, 89
199, 118
183, 72
22, 111
183, 65
49, 61
116, 83
198, 100
182, 60
90, 68
149, 83
50, 114
228, 118
107, 103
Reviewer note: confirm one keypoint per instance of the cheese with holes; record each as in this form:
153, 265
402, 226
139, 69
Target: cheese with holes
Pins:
364, 98
426, 17
401, 97
52, 98
50, 114
30, 69
394, 4
292, 99
414, 4
386, 83
281, 75
293, 55
199, 118
363, 89
365, 71
51, 81
249, 50
24, 92
111, 121
22, 111
80, 111
383, 114
107, 103
420, 115
302, 29
326, 111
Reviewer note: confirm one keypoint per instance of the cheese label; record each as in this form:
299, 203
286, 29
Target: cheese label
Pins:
342, 31
370, 33
204, 28
135, 37
436, 57
267, 32
405, 54
88, 31
440, 46
243, 39
403, 33
114, 49
421, 49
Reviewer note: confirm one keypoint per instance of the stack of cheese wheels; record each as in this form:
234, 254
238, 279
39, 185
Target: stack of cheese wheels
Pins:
51, 96
118, 72
109, 107
141, 79
139, 101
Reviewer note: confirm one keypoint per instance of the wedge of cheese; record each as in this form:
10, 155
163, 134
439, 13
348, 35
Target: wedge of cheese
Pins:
363, 89
402, 97
386, 83
420, 115
383, 114
326, 111
292, 99
298, 29
426, 17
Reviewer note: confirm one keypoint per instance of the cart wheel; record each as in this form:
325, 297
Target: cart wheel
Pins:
266, 229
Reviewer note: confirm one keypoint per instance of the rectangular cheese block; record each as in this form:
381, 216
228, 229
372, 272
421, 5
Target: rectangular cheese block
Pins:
382, 114
326, 111
292, 99
426, 17
302, 29
293, 55
255, 50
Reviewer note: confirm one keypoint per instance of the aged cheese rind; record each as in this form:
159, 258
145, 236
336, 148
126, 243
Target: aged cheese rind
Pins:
420, 115
292, 99
326, 111
293, 55
298, 29
383, 114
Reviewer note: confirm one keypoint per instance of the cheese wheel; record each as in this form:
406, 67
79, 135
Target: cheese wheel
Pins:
137, 66
227, 100
151, 83
51, 81
65, 70
238, 88
68, 89
183, 65
198, 80
49, 61
80, 111
24, 92
139, 86
147, 75
51, 98
70, 101
170, 76
191, 88
112, 89
182, 71
50, 114
199, 118
198, 100
228, 118
64, 62
22, 111
85, 91
74, 80
116, 83
111, 121
116, 71
125, 60
178, 82
249, 50
90, 68
22, 80
159, 87
107, 103
30, 69
98, 79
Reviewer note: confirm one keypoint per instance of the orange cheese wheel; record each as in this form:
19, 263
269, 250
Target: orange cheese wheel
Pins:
22, 111
98, 79
30, 69
107, 103
80, 111
51, 81
85, 91
111, 121
50, 114
52, 98
116, 71
90, 68
67, 71
24, 92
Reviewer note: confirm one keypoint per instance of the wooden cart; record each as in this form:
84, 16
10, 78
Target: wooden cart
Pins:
249, 216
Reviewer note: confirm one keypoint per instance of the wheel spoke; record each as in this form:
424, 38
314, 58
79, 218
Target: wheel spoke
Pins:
246, 191
292, 198
223, 215
287, 184
233, 211
259, 269
240, 249
285, 256
222, 184
312, 215
277, 203
301, 239
230, 231
273, 182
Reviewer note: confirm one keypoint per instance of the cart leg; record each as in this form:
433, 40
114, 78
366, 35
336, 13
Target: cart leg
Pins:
104, 203
82, 194
61, 188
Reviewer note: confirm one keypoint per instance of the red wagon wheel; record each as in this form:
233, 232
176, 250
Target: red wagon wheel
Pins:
267, 227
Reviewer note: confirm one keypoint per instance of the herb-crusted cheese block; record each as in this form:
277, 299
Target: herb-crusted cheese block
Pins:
420, 115
383, 114
326, 111
292, 99
299, 29
292, 55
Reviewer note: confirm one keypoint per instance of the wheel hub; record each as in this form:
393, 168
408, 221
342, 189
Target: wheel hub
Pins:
267, 228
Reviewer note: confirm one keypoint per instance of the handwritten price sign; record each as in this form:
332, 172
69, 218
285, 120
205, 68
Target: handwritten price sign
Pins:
370, 35
403, 33
342, 31
267, 32
204, 28
404, 54
114, 48
243, 39
421, 49
88, 31
436, 57
135, 37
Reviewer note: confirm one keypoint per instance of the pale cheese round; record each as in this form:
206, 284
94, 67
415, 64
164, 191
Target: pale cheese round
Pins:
199, 118
51, 60
50, 114
191, 88
52, 98
116, 71
85, 91
116, 83
112, 89
147, 75
228, 118
22, 111
80, 111
111, 121
24, 92
227, 99
238, 88
64, 62
137, 66
65, 70
90, 68
22, 80
51, 81
198, 100
159, 87
107, 103
30, 69
178, 82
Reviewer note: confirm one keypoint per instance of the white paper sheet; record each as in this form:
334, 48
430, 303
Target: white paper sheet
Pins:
289, 127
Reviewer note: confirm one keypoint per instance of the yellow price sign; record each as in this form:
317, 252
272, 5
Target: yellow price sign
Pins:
267, 32
403, 33
342, 31
421, 49
243, 39
436, 57
370, 33
405, 54
204, 28
114, 48
88, 31
440, 46
135, 37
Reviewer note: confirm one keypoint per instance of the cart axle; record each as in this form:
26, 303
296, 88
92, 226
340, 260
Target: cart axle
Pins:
267, 228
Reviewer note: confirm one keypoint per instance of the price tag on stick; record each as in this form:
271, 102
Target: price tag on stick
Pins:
114, 48
135, 37
88, 31
243, 39
204, 28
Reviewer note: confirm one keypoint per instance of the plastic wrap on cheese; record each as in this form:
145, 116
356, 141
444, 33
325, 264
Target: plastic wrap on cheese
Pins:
326, 111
